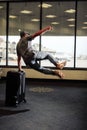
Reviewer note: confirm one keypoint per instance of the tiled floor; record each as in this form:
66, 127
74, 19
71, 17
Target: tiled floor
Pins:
50, 106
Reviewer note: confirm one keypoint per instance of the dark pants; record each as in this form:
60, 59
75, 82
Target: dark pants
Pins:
42, 56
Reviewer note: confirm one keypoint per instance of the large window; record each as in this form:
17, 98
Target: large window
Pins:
81, 39
2, 34
67, 40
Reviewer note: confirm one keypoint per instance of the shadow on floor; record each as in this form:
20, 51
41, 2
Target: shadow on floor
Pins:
6, 111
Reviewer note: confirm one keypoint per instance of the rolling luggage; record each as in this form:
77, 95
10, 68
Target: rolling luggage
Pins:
15, 88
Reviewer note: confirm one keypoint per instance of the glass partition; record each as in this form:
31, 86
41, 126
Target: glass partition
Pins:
2, 33
22, 17
60, 41
81, 39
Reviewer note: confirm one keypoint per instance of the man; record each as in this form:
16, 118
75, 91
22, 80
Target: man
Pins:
31, 57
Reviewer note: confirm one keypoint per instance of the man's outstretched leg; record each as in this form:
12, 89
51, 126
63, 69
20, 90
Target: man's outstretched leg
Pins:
44, 70
43, 55
59, 65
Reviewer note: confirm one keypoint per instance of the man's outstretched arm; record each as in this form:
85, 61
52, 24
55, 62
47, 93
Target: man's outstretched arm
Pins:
19, 63
49, 28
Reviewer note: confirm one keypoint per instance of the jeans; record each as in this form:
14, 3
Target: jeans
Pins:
40, 55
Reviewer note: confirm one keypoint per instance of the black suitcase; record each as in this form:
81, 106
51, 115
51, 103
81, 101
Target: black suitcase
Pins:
15, 88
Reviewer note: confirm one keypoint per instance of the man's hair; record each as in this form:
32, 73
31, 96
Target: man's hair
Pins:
22, 33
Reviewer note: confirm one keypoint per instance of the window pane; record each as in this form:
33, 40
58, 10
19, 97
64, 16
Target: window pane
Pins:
22, 17
81, 41
60, 41
2, 33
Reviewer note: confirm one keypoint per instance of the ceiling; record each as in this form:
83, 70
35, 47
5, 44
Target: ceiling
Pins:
63, 21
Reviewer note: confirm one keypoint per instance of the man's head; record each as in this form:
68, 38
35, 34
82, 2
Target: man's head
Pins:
23, 33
